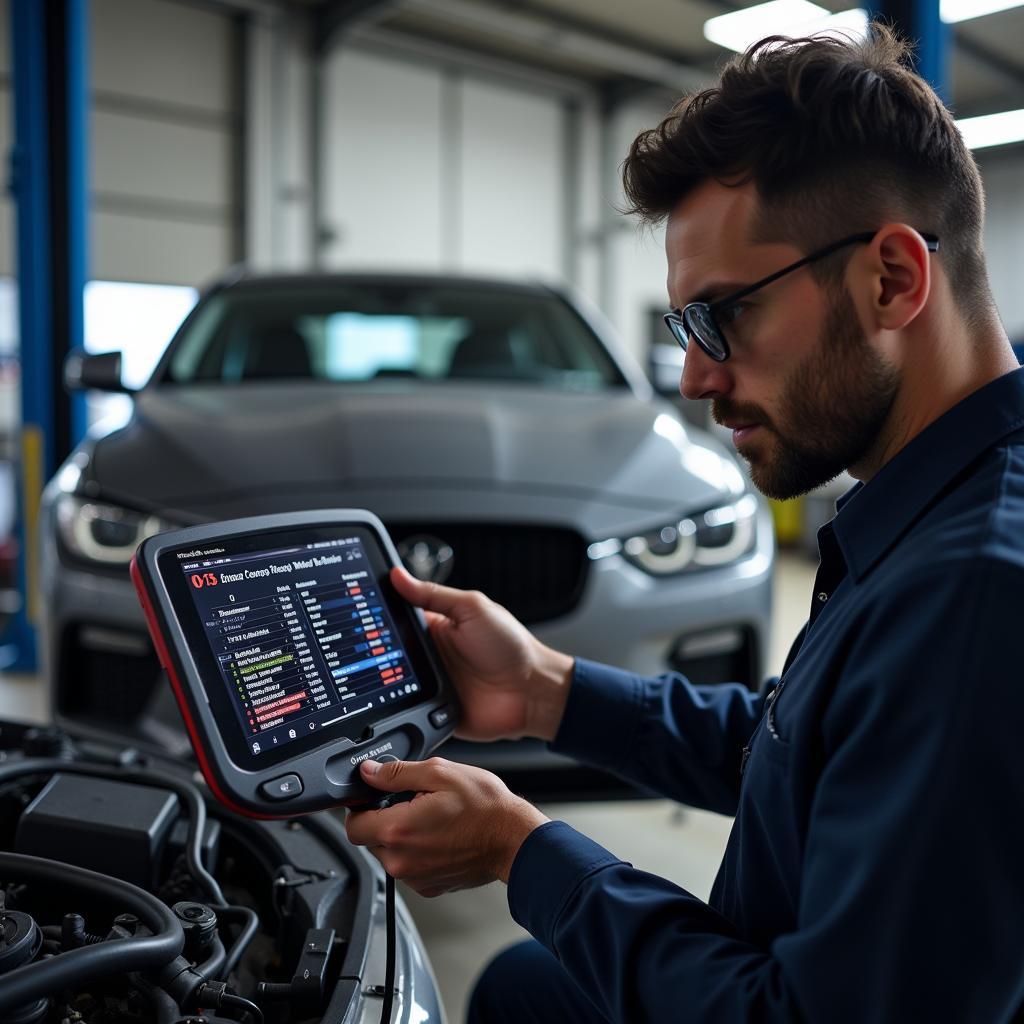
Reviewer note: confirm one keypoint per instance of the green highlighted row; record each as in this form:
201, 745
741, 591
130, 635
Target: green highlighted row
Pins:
259, 666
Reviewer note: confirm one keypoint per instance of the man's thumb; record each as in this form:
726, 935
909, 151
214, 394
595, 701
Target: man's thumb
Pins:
390, 776
429, 596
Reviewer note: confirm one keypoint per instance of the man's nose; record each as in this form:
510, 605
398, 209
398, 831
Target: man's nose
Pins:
702, 377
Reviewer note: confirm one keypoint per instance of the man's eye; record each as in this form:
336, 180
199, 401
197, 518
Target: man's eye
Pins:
731, 313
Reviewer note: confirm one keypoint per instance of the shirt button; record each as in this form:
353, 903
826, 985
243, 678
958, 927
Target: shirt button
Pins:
822, 596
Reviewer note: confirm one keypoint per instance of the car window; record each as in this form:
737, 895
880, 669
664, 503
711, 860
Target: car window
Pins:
365, 333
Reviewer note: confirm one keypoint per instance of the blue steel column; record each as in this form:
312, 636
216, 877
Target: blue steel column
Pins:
52, 199
78, 190
919, 20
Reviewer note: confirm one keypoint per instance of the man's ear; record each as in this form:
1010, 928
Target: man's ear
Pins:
900, 267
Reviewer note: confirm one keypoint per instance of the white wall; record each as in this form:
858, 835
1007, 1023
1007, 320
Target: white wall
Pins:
385, 167
434, 168
638, 256
1003, 174
511, 213
163, 127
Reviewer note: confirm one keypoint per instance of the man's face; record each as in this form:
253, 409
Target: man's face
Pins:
805, 392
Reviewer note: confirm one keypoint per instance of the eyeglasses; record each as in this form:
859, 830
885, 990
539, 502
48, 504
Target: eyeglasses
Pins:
699, 319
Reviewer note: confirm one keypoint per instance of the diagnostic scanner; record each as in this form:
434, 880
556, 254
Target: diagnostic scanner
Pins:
292, 657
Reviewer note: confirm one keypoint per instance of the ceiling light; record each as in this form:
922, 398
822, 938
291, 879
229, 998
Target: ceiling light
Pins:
961, 10
992, 129
740, 29
853, 23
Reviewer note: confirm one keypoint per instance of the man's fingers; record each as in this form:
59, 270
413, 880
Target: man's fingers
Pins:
432, 597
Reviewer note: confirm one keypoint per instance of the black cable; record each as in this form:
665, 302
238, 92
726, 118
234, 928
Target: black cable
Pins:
77, 966
389, 962
238, 1003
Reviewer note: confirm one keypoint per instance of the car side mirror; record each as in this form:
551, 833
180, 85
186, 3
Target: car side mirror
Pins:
664, 368
100, 372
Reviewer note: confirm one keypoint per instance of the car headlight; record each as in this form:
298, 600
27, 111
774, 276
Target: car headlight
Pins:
715, 537
103, 533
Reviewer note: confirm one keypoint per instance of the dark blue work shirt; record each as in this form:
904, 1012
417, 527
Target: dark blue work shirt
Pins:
875, 869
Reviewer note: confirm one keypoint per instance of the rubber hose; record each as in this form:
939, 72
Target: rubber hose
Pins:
212, 966
78, 966
238, 947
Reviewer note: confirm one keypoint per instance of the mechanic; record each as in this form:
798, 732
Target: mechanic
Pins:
875, 869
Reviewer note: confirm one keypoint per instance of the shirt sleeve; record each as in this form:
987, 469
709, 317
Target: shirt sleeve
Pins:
664, 733
910, 896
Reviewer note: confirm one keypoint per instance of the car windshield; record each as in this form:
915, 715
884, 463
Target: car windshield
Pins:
360, 332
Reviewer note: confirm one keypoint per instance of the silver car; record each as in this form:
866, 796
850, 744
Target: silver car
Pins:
505, 439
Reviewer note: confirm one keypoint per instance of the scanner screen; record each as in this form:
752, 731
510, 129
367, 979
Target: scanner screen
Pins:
302, 638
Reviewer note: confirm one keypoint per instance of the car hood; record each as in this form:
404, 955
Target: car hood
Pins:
215, 451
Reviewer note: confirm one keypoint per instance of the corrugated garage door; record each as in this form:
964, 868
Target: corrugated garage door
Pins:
166, 127
428, 168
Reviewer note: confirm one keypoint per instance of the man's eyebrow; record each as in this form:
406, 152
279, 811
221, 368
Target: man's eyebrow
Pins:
715, 290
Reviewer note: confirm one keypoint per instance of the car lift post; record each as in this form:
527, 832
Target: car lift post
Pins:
49, 183
920, 22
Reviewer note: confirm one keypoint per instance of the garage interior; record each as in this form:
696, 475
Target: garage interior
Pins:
460, 137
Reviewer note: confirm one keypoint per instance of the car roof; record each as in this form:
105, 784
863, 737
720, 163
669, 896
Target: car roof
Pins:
241, 279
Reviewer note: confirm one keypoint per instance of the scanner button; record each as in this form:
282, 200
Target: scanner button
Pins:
283, 788
343, 769
441, 717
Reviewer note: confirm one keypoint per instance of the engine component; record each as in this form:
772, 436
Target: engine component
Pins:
32, 980
209, 843
48, 742
100, 824
306, 989
73, 934
283, 877
20, 941
199, 923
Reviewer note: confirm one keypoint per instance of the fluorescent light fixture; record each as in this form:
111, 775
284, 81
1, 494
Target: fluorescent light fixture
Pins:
992, 129
961, 10
740, 29
853, 23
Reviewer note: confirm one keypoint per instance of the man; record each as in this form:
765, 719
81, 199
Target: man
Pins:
827, 281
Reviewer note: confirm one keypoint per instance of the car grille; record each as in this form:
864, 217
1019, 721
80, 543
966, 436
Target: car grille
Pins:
536, 572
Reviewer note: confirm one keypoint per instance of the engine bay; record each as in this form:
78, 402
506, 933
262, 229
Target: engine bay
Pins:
128, 894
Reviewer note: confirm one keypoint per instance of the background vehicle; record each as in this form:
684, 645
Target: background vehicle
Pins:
499, 433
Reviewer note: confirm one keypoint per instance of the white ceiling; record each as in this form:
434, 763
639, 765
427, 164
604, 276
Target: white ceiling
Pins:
625, 44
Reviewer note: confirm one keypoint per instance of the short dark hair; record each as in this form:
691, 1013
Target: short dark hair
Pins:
838, 136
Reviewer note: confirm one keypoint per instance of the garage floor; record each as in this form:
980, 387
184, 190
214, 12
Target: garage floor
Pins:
464, 930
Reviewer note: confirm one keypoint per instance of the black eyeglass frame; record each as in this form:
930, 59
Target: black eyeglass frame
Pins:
680, 322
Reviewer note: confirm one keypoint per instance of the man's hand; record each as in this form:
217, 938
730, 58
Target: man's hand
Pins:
462, 829
510, 684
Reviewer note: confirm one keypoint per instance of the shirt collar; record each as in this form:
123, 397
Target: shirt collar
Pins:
872, 517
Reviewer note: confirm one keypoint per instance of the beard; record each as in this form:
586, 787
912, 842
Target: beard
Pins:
832, 410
